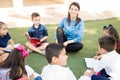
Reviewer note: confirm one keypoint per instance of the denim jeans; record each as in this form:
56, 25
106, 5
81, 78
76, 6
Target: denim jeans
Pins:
38, 78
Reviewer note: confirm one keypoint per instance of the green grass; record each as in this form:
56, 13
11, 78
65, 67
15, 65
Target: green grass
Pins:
93, 30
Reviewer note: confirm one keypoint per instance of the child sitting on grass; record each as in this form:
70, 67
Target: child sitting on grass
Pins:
110, 30
5, 38
109, 64
14, 68
57, 59
37, 31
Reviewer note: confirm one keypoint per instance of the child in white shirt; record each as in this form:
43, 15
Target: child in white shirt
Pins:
57, 59
109, 65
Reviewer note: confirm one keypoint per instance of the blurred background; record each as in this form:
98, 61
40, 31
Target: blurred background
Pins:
16, 13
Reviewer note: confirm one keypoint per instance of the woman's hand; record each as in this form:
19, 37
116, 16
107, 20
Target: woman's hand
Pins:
65, 43
68, 42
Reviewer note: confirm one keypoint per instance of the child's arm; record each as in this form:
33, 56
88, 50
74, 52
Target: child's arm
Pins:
25, 76
98, 57
44, 38
3, 57
89, 73
11, 42
1, 48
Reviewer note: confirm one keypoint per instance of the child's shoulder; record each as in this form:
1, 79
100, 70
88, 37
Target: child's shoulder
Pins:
42, 25
7, 35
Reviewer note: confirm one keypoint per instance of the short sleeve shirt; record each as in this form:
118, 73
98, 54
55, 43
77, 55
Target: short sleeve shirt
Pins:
5, 74
4, 40
56, 72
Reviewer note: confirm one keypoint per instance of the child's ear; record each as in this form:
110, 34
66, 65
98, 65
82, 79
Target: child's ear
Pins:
103, 51
54, 59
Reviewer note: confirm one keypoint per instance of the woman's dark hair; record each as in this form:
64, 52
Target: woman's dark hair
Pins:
77, 18
15, 62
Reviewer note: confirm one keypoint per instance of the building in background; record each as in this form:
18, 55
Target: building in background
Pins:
16, 13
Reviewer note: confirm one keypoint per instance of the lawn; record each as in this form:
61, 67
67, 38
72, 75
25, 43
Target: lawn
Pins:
93, 30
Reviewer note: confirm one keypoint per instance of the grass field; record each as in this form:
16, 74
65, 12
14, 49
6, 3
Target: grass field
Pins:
93, 30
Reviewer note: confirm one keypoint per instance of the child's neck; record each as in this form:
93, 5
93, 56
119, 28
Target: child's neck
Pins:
1, 35
36, 26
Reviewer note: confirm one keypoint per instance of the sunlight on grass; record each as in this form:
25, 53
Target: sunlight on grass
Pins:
90, 31
93, 30
118, 18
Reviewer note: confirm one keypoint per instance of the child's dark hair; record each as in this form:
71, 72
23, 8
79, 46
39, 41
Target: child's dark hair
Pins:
112, 31
15, 62
107, 27
53, 50
77, 18
35, 14
1, 24
107, 42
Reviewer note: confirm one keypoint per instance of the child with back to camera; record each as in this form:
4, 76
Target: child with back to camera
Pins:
37, 31
57, 59
110, 30
14, 65
14, 68
109, 64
